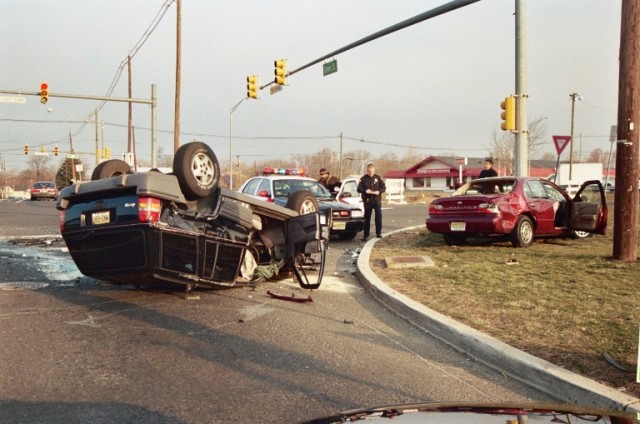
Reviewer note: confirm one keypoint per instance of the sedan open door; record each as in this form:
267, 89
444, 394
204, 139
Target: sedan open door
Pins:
589, 209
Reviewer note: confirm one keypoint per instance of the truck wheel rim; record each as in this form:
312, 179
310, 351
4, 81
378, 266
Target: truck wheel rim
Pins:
202, 169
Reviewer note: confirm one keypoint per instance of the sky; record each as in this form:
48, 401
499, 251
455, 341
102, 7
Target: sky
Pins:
434, 87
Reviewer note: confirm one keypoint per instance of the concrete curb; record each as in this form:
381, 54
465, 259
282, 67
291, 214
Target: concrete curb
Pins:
544, 376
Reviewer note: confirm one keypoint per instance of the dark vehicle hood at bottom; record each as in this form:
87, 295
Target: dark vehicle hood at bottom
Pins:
483, 413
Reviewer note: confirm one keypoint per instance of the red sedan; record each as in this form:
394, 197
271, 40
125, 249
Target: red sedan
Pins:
44, 190
520, 208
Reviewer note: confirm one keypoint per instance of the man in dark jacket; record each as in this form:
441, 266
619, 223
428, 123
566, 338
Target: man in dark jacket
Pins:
371, 188
488, 170
329, 181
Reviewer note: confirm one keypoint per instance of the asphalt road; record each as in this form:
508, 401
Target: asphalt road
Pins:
73, 349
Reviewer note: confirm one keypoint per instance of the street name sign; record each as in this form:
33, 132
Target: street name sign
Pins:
13, 99
276, 88
329, 67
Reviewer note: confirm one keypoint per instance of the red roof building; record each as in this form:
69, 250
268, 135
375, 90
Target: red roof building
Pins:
446, 172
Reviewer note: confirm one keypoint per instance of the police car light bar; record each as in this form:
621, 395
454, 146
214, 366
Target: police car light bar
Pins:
283, 171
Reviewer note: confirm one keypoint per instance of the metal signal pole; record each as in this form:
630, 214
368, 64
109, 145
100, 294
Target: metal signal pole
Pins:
522, 134
176, 124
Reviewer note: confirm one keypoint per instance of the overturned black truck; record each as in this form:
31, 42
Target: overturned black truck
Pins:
152, 229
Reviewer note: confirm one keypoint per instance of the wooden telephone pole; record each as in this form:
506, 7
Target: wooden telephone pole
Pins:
625, 227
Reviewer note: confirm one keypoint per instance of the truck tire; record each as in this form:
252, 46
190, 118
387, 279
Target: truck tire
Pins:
303, 202
197, 169
111, 168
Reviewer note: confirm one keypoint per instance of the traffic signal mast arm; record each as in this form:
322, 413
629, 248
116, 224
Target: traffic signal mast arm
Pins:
440, 10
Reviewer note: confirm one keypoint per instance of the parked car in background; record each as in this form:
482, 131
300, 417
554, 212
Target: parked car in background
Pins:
151, 229
43, 190
609, 186
518, 208
292, 189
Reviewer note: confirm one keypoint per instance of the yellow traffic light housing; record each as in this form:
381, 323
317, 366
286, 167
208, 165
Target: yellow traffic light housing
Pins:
508, 114
26, 149
107, 152
280, 71
44, 93
253, 82
55, 150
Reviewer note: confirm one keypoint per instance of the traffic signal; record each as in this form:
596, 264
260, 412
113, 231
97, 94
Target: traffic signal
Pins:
280, 72
508, 114
55, 150
253, 82
44, 93
26, 149
107, 152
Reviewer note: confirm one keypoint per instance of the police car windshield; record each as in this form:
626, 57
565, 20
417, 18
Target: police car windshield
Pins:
284, 188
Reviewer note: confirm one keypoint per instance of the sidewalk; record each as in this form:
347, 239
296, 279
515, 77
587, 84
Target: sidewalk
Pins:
565, 385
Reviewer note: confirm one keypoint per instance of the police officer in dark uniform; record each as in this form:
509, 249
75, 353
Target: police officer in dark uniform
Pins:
371, 188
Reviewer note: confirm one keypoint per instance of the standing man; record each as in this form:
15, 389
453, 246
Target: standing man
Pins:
371, 188
488, 170
328, 181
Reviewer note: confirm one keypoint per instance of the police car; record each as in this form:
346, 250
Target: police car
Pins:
292, 189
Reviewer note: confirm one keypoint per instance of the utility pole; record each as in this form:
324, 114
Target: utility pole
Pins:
340, 171
130, 116
625, 223
573, 112
176, 125
95, 115
73, 160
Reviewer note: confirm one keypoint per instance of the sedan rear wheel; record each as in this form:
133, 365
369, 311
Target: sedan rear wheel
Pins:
522, 235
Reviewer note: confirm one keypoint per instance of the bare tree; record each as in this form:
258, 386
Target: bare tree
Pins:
39, 167
502, 151
502, 145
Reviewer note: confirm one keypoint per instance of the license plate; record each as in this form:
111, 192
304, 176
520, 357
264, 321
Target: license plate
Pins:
458, 226
339, 225
100, 218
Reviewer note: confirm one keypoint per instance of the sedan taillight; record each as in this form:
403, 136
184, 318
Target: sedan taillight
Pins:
149, 209
436, 209
488, 208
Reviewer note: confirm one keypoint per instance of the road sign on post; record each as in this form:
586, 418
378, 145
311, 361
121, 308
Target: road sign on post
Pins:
561, 142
